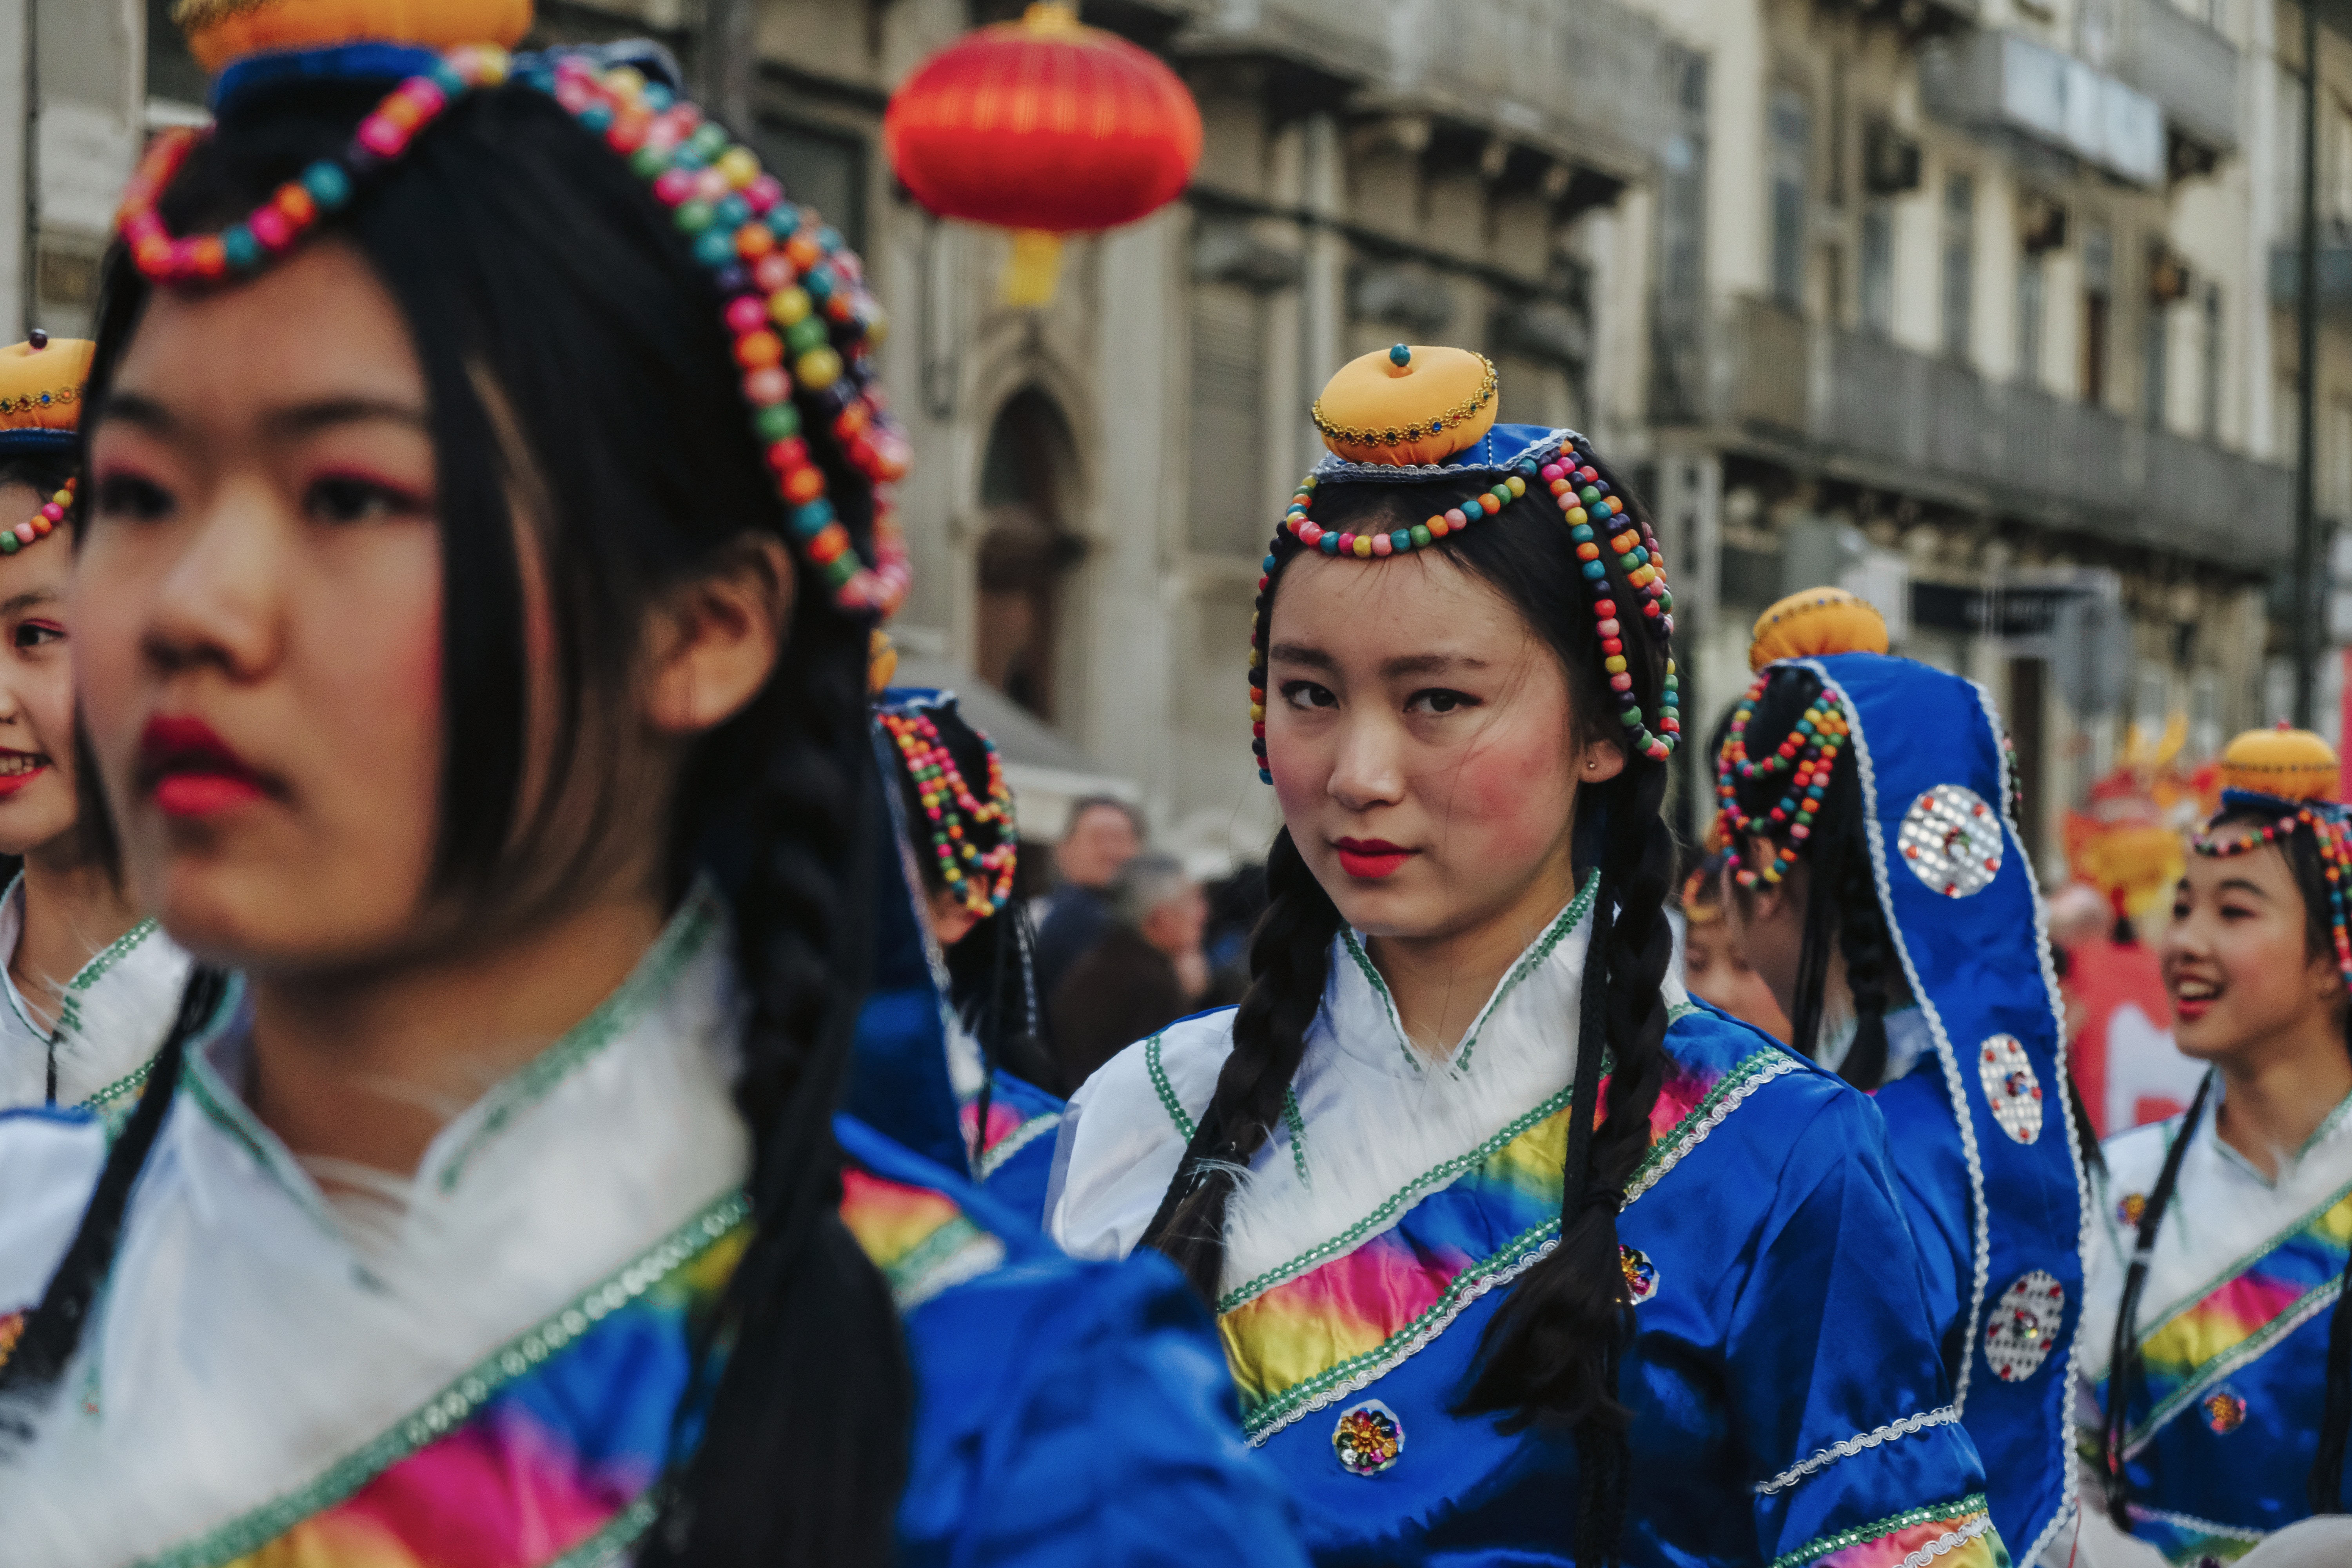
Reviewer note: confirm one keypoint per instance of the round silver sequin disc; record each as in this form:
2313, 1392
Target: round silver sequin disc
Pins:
1951, 840
2011, 1088
2025, 1326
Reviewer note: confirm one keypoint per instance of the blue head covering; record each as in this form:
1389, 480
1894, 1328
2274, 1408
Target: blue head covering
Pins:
1965, 921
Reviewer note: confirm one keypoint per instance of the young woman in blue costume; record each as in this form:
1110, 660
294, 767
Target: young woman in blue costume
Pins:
2221, 1236
1518, 1256
91, 987
469, 685
1879, 887
964, 844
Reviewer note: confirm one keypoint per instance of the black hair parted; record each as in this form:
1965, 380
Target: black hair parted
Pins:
584, 409
1551, 1352
1843, 913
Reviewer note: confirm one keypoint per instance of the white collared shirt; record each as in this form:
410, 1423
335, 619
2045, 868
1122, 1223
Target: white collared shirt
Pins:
112, 1017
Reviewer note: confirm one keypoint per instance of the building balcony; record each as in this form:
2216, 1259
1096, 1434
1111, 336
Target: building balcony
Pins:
1865, 410
2189, 69
2007, 84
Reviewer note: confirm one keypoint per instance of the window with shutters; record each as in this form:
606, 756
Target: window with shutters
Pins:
1227, 511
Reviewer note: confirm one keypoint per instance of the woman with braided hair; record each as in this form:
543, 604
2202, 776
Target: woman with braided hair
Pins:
1878, 885
477, 615
981, 1061
1517, 1255
2217, 1358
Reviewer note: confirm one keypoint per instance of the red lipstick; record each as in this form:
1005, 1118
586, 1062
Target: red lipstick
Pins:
192, 772
22, 768
1371, 858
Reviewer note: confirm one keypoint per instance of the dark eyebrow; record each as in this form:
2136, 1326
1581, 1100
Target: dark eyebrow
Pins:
16, 604
2242, 886
1429, 664
1300, 653
301, 419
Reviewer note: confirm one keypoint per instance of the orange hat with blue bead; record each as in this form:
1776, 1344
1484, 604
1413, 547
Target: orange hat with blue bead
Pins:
40, 414
40, 394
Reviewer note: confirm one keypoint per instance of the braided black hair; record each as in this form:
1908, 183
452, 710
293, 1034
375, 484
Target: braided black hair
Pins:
574, 354
1843, 913
2325, 1483
1551, 1352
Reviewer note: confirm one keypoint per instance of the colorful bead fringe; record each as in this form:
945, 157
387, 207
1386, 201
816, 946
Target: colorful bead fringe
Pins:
2331, 830
981, 878
41, 524
788, 279
1808, 754
1583, 498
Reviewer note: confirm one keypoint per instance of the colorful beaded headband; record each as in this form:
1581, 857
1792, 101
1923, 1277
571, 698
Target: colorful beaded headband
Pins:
981, 878
780, 270
1808, 755
1584, 500
42, 523
2330, 830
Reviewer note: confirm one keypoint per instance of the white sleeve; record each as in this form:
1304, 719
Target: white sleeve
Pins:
50, 1160
1121, 1138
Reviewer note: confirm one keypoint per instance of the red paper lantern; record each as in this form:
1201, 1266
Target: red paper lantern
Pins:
1046, 127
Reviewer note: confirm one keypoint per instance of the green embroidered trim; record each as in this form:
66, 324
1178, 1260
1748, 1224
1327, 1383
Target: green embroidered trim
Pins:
227, 1113
130, 1083
1460, 1291
1394, 1204
112, 953
1168, 1100
1764, 1064
950, 1255
991, 1159
443, 1414
677, 946
612, 1543
1297, 1122
1752, 1073
1679, 1011
2271, 1244
1380, 989
1963, 1513
1529, 962
2250, 1349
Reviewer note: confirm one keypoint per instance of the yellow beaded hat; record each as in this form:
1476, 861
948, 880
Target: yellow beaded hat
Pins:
2283, 764
1407, 404
40, 394
1815, 622
219, 31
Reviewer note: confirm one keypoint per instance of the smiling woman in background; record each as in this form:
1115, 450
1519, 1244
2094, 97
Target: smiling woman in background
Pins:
90, 987
2218, 1349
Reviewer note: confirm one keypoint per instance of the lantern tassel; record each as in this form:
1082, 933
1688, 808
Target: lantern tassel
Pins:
1034, 270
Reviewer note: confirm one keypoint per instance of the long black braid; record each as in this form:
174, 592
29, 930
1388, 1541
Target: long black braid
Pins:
527, 258
1553, 1351
1842, 908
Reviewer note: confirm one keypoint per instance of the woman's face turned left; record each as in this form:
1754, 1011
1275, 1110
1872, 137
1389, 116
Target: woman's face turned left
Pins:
257, 615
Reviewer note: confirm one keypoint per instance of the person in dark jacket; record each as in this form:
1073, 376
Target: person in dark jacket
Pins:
1147, 971
1104, 834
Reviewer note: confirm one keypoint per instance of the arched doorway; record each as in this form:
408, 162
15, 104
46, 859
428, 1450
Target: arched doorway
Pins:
1026, 476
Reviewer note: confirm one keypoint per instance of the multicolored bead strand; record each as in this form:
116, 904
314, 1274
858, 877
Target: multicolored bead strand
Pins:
981, 878
42, 523
2331, 831
788, 279
1583, 498
1808, 754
